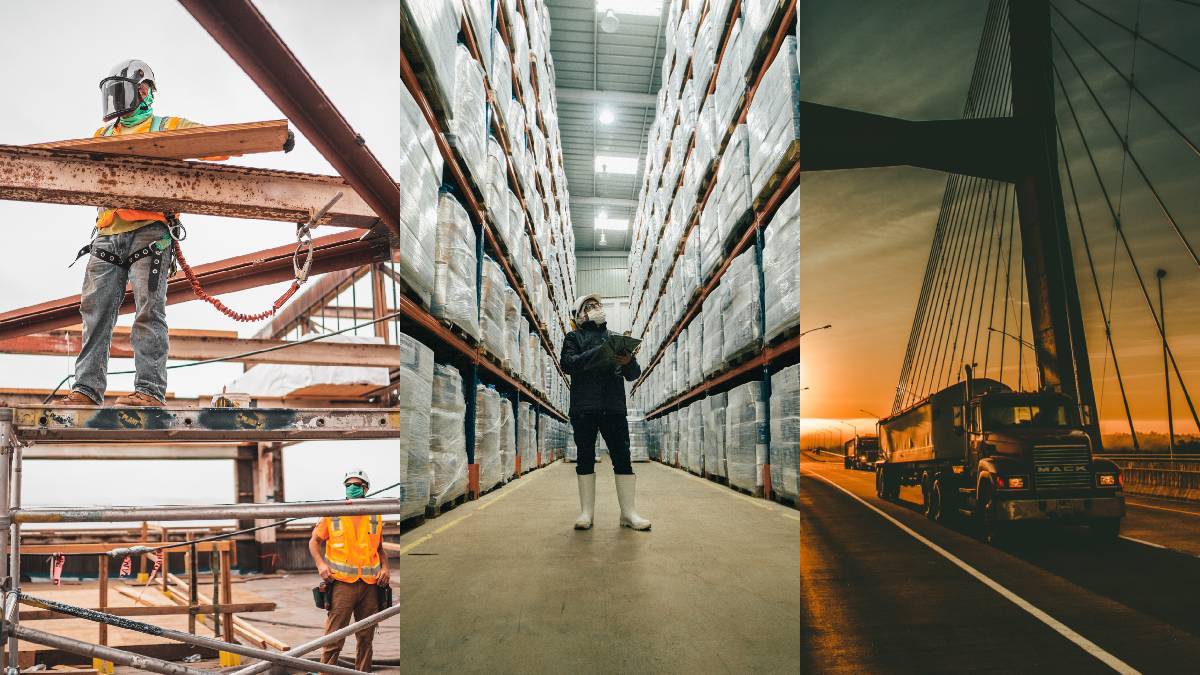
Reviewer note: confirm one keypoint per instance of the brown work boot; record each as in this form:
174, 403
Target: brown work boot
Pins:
139, 400
76, 398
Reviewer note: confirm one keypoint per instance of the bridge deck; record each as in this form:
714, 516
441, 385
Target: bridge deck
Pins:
60, 424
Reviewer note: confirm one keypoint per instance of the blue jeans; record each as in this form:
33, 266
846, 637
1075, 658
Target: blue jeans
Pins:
100, 303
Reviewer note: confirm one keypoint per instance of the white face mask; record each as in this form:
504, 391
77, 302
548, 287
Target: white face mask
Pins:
597, 316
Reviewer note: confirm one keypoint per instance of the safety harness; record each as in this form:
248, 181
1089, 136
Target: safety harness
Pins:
168, 246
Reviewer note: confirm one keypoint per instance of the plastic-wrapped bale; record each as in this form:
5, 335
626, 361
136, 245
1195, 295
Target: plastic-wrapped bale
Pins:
695, 351
695, 433
416, 402
785, 432
487, 437
773, 121
436, 25
733, 188
731, 78
638, 436
419, 177
480, 16
466, 131
682, 376
454, 268
740, 325
713, 315
714, 434
745, 437
781, 268
447, 438
514, 224
688, 267
545, 440
491, 311
527, 436
508, 440
495, 185
533, 360
500, 75
712, 244
512, 327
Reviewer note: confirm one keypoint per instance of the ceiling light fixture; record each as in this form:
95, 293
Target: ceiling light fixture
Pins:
603, 241
610, 23
634, 7
607, 116
616, 164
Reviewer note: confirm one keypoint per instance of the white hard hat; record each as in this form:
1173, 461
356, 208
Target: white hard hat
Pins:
359, 474
580, 301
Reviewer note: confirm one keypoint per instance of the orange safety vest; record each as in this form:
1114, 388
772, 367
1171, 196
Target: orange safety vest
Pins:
352, 549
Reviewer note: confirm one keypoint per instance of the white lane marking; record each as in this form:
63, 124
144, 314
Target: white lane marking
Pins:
1143, 542
1058, 626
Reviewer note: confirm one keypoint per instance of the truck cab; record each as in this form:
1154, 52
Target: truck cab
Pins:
861, 452
1028, 458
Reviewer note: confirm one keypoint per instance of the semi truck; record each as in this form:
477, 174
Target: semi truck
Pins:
861, 452
978, 449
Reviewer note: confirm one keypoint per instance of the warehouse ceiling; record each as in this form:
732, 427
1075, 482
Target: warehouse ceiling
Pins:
599, 72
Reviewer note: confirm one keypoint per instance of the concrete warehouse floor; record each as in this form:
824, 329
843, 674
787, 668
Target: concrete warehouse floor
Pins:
505, 585
295, 620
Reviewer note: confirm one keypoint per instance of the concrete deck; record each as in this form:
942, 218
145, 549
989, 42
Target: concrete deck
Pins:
505, 585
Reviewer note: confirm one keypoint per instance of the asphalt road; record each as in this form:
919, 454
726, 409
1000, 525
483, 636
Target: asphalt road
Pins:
883, 590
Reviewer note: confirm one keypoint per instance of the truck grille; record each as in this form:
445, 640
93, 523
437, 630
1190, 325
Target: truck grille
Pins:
1061, 466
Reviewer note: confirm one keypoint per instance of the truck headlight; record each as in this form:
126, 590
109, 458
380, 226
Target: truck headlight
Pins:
1107, 479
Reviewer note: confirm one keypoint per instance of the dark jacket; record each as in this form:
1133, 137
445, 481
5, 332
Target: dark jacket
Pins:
594, 389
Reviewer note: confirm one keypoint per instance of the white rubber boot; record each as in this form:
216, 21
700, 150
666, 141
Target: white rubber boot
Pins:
587, 501
626, 487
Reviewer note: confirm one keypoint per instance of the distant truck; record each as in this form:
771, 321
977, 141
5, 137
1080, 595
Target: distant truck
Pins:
979, 449
861, 452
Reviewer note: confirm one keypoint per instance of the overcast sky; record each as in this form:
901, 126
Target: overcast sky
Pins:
866, 234
57, 52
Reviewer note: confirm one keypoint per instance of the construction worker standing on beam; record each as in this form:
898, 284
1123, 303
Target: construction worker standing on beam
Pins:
129, 245
354, 571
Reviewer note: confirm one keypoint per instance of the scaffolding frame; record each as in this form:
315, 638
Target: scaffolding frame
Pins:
370, 211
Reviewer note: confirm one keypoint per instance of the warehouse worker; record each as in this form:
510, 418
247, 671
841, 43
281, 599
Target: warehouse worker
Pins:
598, 406
353, 563
130, 245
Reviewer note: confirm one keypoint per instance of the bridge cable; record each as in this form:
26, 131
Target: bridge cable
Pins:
1128, 249
1147, 40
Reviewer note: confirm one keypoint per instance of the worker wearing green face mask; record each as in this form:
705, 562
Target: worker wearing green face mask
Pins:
348, 552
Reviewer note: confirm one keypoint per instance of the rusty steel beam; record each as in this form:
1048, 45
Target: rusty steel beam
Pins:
201, 348
244, 33
330, 253
93, 179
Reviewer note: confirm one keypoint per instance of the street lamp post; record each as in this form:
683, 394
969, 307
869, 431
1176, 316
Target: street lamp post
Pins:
813, 330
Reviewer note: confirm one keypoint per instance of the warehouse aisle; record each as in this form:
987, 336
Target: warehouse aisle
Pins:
505, 585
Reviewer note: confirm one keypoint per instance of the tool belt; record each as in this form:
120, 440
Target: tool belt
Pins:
323, 596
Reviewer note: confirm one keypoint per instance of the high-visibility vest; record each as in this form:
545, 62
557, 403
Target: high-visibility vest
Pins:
352, 549
105, 217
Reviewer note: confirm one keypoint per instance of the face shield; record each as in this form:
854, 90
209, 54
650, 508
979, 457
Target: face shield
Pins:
119, 91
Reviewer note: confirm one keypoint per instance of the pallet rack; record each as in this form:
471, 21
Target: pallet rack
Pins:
449, 346
766, 358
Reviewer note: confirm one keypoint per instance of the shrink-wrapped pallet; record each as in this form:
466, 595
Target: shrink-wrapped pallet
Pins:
773, 121
695, 432
495, 185
466, 130
454, 268
435, 24
638, 436
527, 436
419, 177
688, 268
712, 249
512, 327
785, 432
781, 268
447, 437
745, 439
682, 376
731, 77
487, 437
695, 351
479, 15
415, 403
508, 440
714, 434
500, 77
491, 309
514, 223
740, 328
713, 315
733, 188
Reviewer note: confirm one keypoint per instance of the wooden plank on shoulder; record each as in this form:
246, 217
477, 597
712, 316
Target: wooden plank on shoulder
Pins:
191, 143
